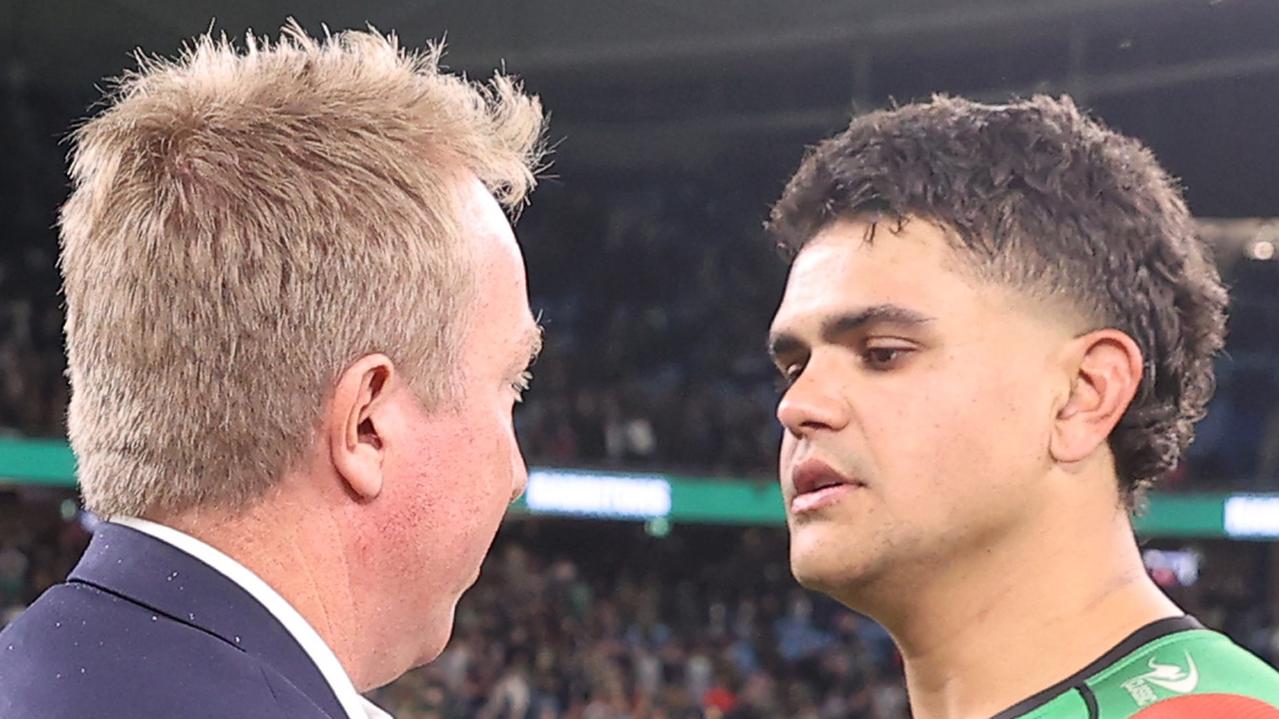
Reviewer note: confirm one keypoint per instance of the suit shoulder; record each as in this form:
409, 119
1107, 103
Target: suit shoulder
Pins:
82, 652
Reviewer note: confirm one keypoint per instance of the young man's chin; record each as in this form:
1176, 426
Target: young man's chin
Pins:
819, 571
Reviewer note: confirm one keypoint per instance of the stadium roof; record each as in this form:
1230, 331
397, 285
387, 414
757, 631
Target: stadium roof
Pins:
67, 41
671, 84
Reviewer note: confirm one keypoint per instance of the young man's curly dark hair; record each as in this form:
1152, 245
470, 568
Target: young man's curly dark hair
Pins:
1048, 201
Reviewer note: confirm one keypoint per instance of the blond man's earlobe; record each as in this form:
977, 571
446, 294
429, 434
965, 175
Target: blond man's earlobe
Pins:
353, 424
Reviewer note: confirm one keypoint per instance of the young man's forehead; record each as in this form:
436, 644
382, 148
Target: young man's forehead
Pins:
840, 270
906, 278
874, 230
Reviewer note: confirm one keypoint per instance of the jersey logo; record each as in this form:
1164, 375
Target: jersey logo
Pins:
1169, 677
1172, 677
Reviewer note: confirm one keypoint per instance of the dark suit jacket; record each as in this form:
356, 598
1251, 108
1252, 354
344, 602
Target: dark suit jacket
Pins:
142, 630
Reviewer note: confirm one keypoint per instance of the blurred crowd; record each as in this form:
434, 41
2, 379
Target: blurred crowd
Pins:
656, 303
704, 627
33, 392
651, 628
702, 623
38, 547
1237, 443
656, 294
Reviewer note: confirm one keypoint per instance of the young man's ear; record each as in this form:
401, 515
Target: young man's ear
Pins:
355, 445
1107, 368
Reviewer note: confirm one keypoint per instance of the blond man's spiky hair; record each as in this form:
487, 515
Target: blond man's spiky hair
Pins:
243, 225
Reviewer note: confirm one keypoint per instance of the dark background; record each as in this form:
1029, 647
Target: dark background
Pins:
676, 123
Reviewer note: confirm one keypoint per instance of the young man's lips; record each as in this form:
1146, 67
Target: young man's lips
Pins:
814, 474
817, 484
813, 501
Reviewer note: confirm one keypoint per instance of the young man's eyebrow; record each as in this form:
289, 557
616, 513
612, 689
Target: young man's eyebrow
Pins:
785, 343
888, 313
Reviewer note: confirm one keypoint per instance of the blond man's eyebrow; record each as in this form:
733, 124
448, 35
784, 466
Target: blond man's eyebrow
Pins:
529, 346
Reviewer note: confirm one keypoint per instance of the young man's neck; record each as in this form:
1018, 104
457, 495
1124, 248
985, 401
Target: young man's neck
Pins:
1016, 620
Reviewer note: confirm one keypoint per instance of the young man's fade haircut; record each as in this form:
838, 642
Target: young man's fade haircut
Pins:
1039, 197
243, 224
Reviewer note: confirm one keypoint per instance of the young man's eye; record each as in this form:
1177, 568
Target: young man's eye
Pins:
882, 358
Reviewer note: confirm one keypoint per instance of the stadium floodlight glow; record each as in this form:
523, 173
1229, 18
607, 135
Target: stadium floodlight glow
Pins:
613, 495
1261, 250
1181, 564
1252, 516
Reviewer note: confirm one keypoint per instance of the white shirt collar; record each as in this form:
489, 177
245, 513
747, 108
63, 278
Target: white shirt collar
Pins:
355, 705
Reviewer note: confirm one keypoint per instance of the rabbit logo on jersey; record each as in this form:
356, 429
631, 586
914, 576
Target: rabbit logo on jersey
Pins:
1178, 679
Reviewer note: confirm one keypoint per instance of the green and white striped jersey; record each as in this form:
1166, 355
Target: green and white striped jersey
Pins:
1169, 668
